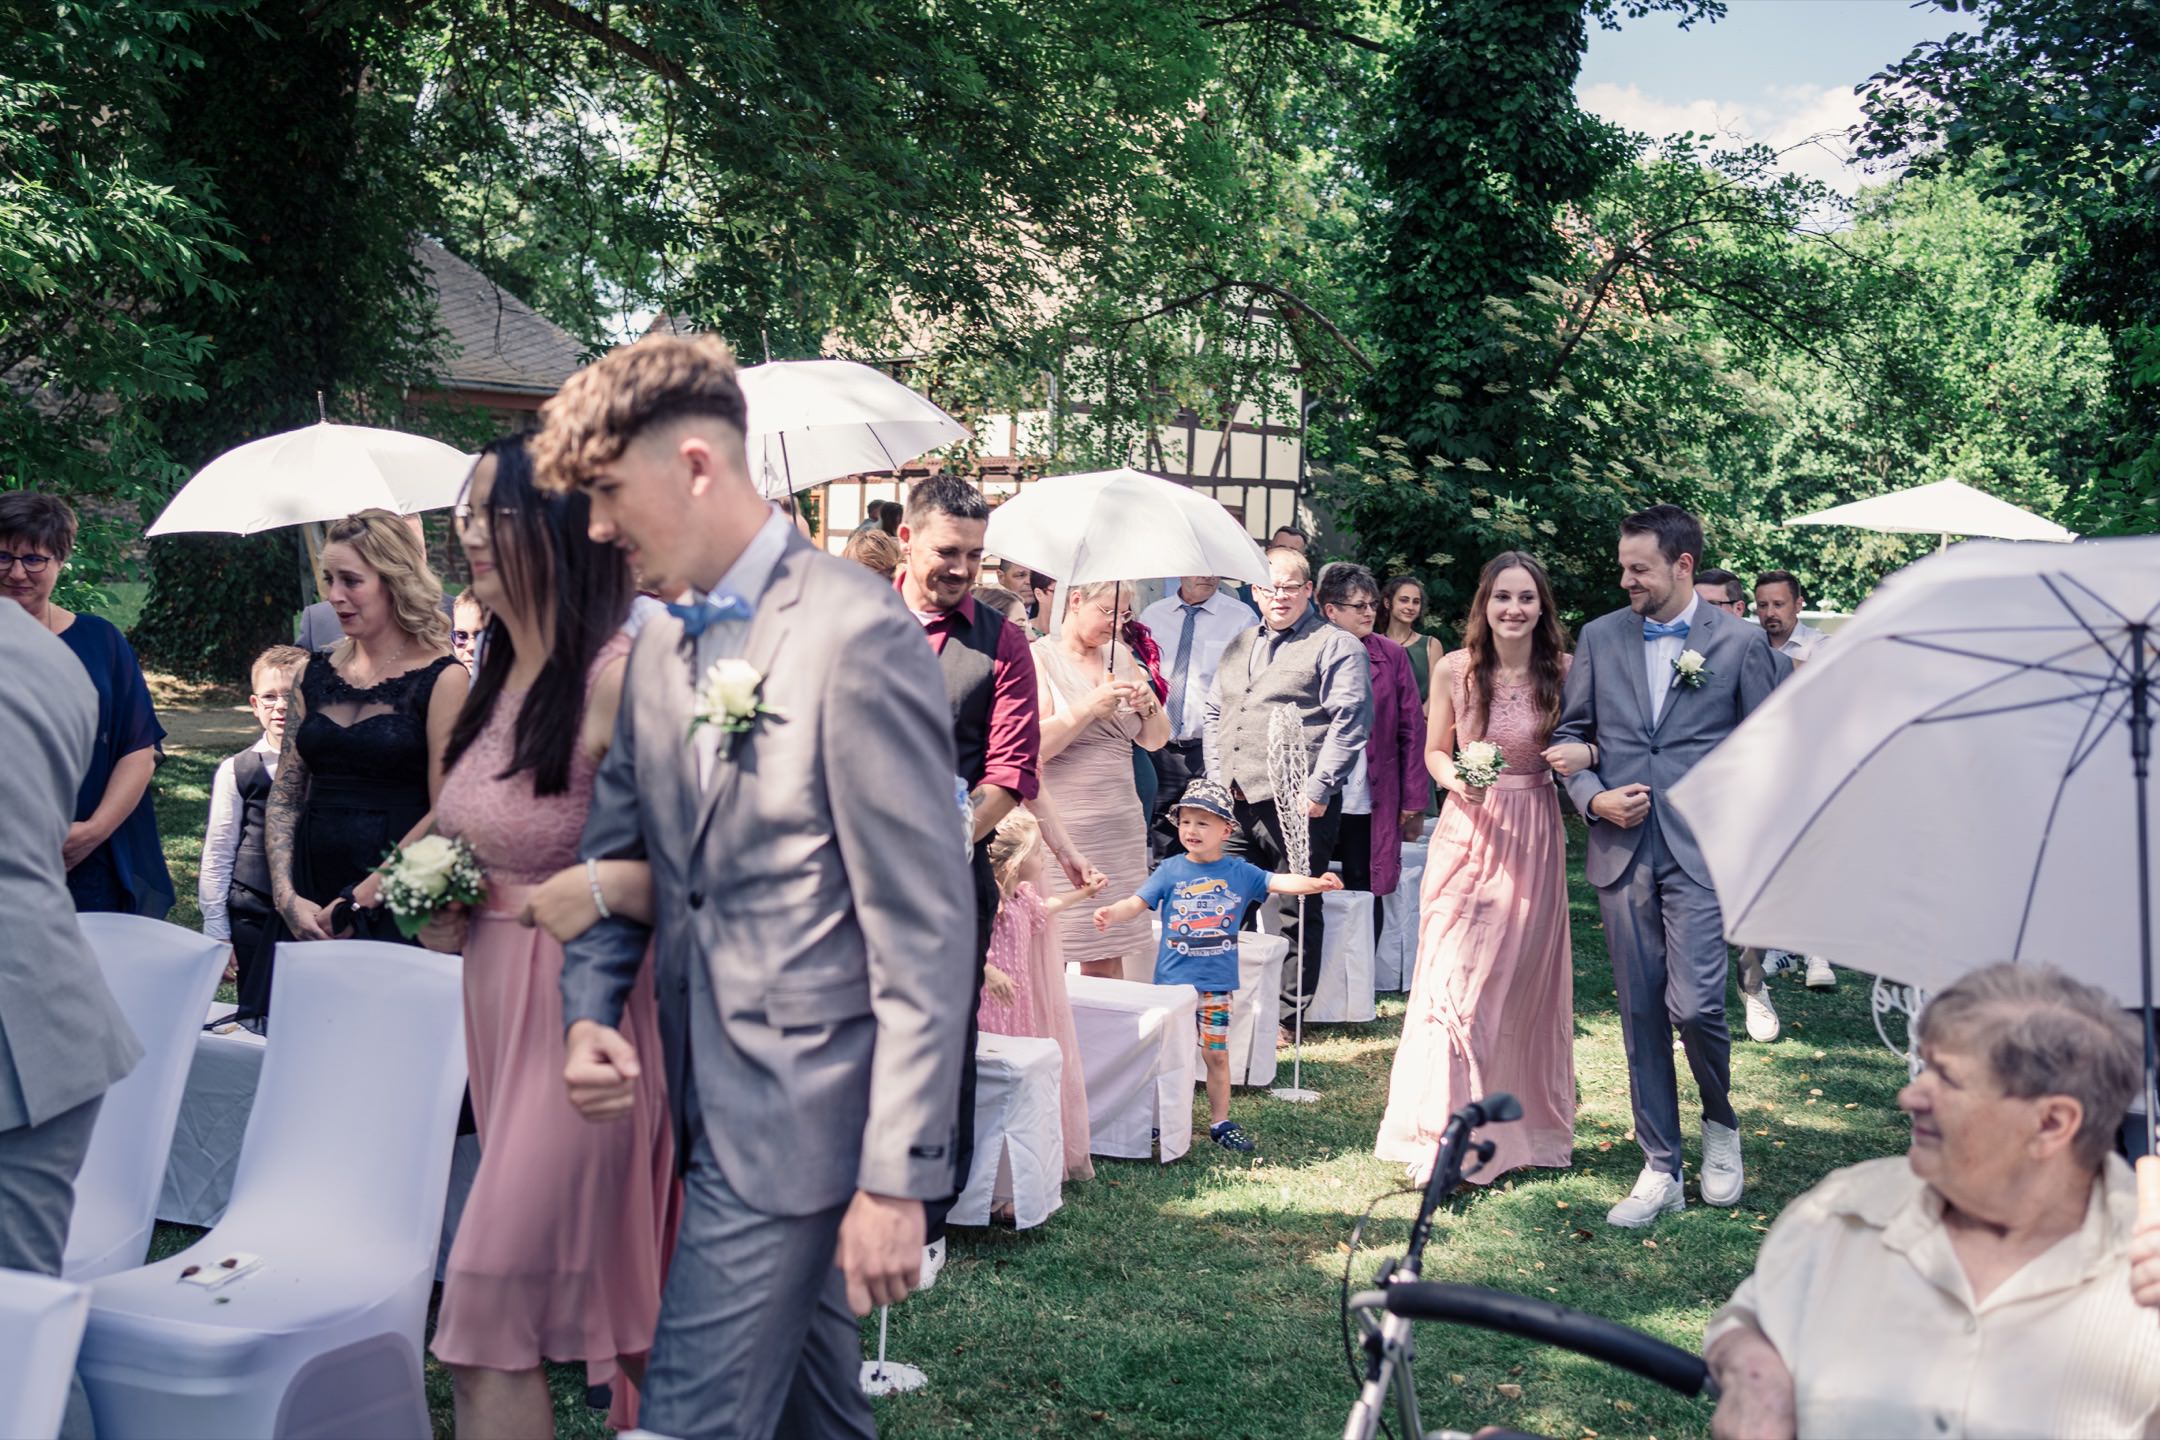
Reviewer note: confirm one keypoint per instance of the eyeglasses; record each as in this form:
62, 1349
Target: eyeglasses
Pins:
465, 516
464, 637
280, 701
1362, 607
1280, 592
31, 564
1123, 617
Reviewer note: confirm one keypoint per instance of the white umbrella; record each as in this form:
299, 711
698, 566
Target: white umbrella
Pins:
317, 473
1122, 525
1960, 780
817, 420
1945, 508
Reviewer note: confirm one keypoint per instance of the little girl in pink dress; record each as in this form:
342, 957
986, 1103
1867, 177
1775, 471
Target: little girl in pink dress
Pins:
1024, 983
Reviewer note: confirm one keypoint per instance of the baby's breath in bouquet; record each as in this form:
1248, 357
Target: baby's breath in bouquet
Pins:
425, 877
1479, 763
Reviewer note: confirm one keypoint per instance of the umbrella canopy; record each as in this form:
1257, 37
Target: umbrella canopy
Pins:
1122, 525
817, 420
1944, 508
1959, 780
318, 473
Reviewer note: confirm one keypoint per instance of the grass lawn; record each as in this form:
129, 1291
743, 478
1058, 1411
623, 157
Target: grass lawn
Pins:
1200, 1298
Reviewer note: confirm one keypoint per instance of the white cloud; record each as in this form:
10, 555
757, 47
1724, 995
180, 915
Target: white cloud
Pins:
1811, 124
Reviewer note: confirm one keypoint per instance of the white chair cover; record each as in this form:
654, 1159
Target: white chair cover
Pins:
162, 976
1344, 992
1136, 1055
1019, 1132
1253, 1009
340, 1190
1395, 957
214, 1110
41, 1324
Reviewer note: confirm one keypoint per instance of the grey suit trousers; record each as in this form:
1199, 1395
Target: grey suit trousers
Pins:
38, 1166
1667, 943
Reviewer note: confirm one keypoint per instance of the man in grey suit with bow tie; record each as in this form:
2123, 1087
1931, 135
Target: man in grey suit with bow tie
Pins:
1654, 688
814, 913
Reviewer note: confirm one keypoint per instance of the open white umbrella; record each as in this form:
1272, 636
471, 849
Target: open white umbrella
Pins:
1962, 779
1943, 509
817, 420
317, 473
1122, 525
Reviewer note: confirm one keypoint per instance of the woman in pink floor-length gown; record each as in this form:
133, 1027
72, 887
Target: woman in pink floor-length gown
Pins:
562, 1246
1492, 1002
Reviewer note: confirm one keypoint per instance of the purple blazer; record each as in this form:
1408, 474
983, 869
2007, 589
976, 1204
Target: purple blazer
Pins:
1394, 756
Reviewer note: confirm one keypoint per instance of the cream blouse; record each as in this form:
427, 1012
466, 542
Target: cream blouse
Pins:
1860, 1291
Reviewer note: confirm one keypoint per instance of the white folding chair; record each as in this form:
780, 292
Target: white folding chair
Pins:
41, 1324
340, 1191
163, 978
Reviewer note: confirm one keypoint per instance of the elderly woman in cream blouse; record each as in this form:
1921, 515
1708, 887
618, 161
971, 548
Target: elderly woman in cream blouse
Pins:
1981, 1284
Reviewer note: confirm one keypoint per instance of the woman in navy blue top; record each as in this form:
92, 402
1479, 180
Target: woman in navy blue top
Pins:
114, 859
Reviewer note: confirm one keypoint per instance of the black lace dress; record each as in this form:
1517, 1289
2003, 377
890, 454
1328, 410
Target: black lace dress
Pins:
367, 765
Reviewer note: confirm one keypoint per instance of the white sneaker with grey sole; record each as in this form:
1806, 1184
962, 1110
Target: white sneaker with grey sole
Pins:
1819, 974
1722, 1175
1762, 1021
1655, 1194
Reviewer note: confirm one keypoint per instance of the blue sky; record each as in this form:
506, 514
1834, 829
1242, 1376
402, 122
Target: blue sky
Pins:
1777, 71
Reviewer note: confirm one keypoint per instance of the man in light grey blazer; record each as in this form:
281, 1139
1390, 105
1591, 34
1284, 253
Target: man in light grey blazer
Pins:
63, 1042
1654, 688
812, 902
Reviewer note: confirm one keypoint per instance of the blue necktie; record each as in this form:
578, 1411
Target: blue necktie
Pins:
698, 615
1178, 671
1655, 630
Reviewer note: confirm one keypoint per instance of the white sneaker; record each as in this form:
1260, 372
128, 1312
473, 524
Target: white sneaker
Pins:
1655, 1194
1722, 1176
1762, 1021
1775, 961
1819, 974
933, 1260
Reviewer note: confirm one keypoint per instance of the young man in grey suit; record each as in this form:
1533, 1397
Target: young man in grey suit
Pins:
63, 1042
811, 896
1654, 688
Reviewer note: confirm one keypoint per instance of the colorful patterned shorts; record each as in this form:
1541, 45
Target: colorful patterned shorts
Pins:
1213, 1018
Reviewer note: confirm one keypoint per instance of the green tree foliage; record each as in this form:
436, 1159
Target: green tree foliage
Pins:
2056, 104
105, 237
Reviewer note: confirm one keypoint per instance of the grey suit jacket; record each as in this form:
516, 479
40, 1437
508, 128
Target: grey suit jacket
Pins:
63, 1041
1607, 703
815, 955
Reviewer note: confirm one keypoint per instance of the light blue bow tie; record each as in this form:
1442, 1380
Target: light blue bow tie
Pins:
1655, 630
717, 606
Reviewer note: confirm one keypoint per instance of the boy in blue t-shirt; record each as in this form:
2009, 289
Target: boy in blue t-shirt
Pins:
1201, 898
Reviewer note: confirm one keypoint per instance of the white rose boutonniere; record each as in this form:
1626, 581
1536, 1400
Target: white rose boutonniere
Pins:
728, 700
1479, 763
1690, 669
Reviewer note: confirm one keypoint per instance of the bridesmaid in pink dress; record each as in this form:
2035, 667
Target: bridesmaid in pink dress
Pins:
1492, 1002
1027, 995
562, 1247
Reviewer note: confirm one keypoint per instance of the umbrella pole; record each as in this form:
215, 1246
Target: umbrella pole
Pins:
2141, 723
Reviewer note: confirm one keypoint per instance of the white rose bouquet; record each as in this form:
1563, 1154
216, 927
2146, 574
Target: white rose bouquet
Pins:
1479, 763
728, 700
427, 876
1690, 669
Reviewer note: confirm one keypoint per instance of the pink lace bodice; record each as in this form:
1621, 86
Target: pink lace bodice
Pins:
521, 838
1516, 726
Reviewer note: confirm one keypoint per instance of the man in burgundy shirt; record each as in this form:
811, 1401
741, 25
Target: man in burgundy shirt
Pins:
997, 727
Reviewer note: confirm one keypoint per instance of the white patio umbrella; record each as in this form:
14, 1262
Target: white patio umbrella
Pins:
1962, 779
1943, 509
1122, 525
817, 420
317, 473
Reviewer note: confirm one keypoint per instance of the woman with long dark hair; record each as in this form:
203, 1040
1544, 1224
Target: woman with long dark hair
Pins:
1492, 1002
559, 1253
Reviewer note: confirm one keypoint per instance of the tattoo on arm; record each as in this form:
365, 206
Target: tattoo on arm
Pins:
288, 793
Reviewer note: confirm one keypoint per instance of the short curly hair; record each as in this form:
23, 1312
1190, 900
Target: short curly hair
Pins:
603, 408
31, 518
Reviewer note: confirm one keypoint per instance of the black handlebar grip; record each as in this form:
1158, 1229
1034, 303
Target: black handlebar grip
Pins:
1551, 1324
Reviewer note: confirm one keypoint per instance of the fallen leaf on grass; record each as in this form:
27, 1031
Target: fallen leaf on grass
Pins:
1762, 1132
1852, 1104
1584, 1235
1455, 1379
1764, 1228
1623, 1405
1559, 1204
1509, 1392
1649, 1244
1813, 1092
1604, 1144
1343, 1245
1820, 1055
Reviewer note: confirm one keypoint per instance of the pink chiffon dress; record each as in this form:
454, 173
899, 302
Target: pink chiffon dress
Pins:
1024, 945
1091, 783
1492, 1003
564, 1240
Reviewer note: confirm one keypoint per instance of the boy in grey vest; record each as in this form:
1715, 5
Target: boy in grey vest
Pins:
233, 888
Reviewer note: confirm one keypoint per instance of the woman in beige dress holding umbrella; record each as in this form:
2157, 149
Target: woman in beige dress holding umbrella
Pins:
1092, 716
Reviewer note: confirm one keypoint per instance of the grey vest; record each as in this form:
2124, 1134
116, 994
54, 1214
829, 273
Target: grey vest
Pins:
1292, 678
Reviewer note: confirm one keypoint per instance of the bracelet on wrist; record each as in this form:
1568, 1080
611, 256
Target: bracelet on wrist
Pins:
599, 901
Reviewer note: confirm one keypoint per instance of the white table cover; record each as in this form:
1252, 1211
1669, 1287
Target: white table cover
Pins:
1019, 1132
1344, 992
1253, 1008
1395, 957
1136, 1052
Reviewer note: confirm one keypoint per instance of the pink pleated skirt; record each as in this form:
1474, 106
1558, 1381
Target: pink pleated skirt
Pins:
1492, 1003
